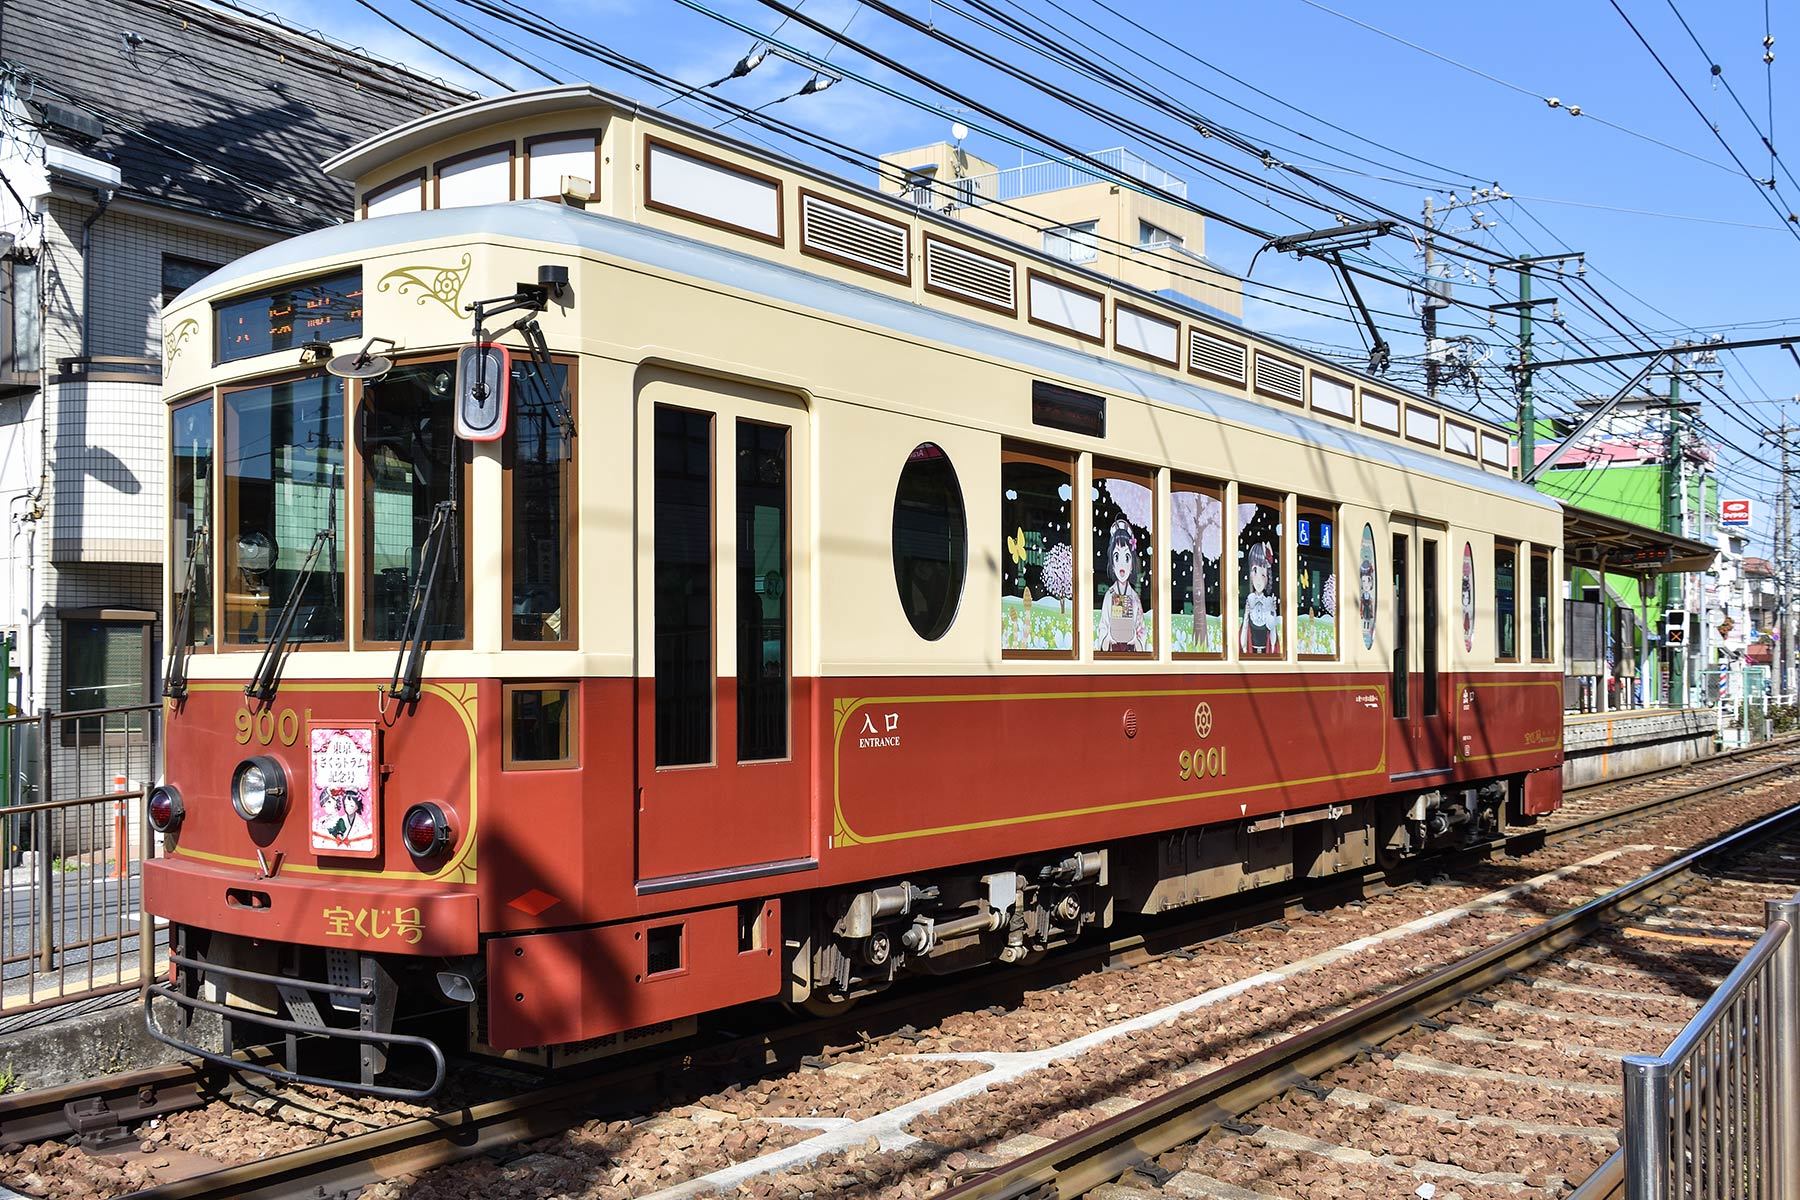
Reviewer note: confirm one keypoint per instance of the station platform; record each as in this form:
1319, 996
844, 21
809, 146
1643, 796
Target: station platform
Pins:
1602, 746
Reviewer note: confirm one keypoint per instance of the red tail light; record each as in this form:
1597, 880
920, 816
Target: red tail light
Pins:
425, 830
165, 808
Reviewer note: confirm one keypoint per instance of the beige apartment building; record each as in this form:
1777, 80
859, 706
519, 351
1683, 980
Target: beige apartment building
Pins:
1138, 239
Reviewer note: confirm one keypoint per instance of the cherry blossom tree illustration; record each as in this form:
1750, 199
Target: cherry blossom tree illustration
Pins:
1057, 574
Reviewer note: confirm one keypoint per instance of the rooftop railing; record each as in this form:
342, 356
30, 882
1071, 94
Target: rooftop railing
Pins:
1031, 179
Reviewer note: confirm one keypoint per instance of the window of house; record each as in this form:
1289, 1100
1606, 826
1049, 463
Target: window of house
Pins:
404, 430
21, 334
1037, 593
1506, 602
1123, 506
762, 591
539, 456
930, 541
1196, 568
105, 664
190, 488
1540, 606
1075, 243
1156, 235
1315, 582
282, 477
180, 274
1259, 577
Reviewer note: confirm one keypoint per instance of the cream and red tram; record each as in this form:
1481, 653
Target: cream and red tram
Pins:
848, 594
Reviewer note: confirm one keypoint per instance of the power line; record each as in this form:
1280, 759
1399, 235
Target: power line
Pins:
1791, 218
423, 41
1573, 110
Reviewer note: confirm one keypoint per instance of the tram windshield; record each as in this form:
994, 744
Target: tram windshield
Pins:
283, 481
407, 437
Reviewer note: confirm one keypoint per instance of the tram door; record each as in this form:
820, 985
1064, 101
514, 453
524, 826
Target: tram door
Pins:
723, 608
1421, 735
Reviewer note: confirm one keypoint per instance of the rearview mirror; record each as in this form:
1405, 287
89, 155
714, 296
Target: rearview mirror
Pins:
483, 382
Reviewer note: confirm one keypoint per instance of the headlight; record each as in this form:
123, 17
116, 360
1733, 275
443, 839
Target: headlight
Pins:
259, 789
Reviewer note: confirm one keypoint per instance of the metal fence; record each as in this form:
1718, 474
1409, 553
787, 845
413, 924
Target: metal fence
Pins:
1718, 1113
72, 790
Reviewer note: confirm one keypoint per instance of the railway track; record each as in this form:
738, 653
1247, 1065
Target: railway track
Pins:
1439, 1084
99, 1111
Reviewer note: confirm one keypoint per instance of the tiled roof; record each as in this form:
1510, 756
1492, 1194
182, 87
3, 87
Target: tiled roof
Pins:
208, 110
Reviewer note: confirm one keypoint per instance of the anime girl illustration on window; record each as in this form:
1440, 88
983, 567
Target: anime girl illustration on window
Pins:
1468, 598
1122, 503
1260, 632
1259, 583
1121, 616
1366, 587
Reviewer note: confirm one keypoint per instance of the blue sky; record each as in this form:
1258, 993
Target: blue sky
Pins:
1715, 259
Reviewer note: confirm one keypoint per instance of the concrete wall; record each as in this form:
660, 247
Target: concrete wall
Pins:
1606, 746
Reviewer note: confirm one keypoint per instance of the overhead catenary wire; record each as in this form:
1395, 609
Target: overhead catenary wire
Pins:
1791, 218
788, 132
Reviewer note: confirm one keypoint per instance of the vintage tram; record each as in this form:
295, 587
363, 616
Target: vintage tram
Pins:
624, 574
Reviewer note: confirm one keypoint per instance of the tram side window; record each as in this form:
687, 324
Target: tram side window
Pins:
1196, 569
191, 495
1259, 577
1399, 685
541, 727
1315, 583
1540, 606
1506, 602
1123, 511
540, 503
762, 598
683, 532
1037, 593
405, 432
283, 483
930, 540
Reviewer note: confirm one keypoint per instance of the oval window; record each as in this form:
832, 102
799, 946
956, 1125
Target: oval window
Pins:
930, 540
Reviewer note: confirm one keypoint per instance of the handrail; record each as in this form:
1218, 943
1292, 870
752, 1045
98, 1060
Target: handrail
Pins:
1720, 1107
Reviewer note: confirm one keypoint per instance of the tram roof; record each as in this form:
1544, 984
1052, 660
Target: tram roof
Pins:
629, 241
1604, 543
369, 159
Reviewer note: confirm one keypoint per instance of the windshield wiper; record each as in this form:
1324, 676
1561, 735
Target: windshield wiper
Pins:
175, 682
409, 664
267, 678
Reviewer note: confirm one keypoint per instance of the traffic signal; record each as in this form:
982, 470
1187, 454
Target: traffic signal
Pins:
1675, 629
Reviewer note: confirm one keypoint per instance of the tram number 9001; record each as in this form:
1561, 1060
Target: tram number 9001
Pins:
1202, 763
267, 725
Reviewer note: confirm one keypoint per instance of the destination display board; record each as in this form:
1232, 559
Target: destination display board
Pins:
323, 308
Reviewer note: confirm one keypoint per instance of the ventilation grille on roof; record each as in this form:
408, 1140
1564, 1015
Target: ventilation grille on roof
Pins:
863, 239
978, 277
1216, 357
1279, 379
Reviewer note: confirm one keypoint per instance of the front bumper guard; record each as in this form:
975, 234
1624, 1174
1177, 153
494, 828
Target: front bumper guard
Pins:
292, 1031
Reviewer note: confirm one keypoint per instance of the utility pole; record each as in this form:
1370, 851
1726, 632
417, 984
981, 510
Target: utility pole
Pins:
1527, 417
1674, 591
1784, 567
1428, 310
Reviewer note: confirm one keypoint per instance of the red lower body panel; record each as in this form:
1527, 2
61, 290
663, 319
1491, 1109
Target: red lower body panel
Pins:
550, 988
375, 916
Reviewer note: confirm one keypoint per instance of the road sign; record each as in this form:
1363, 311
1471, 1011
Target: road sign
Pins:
1734, 514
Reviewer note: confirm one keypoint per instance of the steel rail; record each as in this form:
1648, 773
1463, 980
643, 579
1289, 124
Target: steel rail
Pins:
439, 1140
52, 1113
1103, 1152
